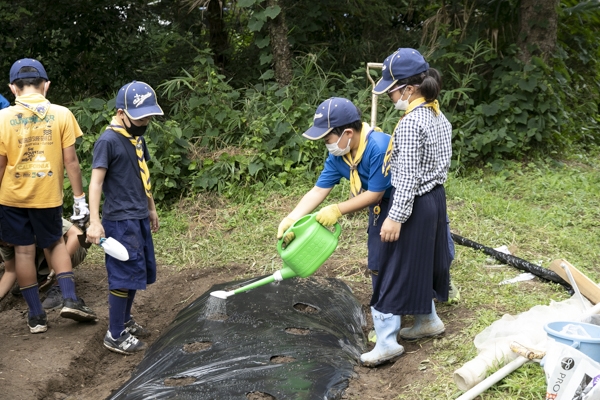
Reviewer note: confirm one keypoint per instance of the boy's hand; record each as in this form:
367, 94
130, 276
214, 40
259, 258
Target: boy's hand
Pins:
328, 215
154, 224
95, 232
80, 208
284, 225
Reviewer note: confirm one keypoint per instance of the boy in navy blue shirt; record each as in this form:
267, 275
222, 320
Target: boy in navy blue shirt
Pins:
129, 215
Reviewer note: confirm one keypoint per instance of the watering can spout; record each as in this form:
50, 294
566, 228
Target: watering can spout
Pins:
278, 276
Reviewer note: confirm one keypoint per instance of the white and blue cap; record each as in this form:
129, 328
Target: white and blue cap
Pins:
37, 72
138, 100
330, 114
401, 64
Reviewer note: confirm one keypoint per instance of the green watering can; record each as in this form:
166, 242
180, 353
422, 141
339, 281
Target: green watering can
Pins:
311, 247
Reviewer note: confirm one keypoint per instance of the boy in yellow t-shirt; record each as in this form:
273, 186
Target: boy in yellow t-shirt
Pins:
37, 141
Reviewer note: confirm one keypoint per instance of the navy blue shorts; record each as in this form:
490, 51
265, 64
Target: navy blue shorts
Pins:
140, 269
27, 226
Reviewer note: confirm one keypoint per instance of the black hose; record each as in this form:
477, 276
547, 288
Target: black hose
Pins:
516, 262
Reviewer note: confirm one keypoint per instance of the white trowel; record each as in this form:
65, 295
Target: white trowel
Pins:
114, 248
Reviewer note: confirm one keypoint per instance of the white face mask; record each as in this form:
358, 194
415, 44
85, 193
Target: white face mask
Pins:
402, 105
334, 150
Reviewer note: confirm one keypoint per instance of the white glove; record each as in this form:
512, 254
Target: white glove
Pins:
80, 208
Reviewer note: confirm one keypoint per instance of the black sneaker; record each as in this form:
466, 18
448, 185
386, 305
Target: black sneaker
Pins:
136, 329
38, 324
124, 344
53, 298
77, 310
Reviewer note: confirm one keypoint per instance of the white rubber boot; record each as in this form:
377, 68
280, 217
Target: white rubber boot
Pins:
426, 325
387, 347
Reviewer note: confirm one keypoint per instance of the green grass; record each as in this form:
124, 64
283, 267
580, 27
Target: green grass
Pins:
541, 211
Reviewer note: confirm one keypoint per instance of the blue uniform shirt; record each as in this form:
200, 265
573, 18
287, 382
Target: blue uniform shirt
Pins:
124, 193
3, 102
369, 168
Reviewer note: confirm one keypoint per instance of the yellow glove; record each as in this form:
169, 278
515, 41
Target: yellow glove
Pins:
328, 215
284, 225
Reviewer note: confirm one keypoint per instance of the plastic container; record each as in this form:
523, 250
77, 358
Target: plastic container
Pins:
589, 346
311, 247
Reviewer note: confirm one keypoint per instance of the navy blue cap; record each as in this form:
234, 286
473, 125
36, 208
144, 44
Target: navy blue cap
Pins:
330, 114
401, 64
39, 72
138, 100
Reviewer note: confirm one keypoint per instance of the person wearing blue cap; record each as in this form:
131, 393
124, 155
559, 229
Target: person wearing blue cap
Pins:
418, 159
37, 143
3, 102
356, 153
120, 172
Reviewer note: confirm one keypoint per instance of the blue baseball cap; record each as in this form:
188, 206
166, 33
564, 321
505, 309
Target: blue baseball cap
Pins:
330, 114
15, 70
138, 100
401, 64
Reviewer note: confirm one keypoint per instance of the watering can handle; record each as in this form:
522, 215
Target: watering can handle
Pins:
338, 230
338, 227
336, 233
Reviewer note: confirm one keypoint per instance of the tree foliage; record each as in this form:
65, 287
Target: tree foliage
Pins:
240, 80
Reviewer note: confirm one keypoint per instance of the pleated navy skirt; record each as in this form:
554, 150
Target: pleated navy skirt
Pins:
414, 269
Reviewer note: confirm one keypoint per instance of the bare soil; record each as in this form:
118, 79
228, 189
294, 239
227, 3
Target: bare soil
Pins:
69, 361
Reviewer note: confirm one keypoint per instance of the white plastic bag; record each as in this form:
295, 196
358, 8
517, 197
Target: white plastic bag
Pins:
570, 374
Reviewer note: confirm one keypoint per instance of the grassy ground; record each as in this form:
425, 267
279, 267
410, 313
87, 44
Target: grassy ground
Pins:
540, 211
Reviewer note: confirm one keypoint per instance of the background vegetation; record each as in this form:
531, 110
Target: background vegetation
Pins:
240, 80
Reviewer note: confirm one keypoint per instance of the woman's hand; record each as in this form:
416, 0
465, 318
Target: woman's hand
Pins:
390, 230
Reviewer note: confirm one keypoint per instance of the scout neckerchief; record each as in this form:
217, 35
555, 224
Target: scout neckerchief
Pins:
420, 102
34, 102
355, 184
139, 151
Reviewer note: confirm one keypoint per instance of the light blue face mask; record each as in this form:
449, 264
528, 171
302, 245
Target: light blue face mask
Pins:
334, 149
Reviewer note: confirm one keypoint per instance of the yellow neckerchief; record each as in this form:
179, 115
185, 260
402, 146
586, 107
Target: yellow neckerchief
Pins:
139, 151
355, 183
420, 102
34, 102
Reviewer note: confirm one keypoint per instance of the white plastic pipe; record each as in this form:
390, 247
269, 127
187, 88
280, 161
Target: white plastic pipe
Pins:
474, 371
584, 304
493, 379
471, 375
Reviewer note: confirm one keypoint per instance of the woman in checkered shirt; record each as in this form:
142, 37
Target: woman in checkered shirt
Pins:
415, 266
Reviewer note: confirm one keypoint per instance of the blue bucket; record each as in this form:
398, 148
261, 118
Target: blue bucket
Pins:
588, 346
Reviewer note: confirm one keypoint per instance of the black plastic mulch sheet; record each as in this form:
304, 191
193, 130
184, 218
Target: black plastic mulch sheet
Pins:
297, 339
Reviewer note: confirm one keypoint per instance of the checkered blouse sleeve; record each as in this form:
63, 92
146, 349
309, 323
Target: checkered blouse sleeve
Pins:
420, 159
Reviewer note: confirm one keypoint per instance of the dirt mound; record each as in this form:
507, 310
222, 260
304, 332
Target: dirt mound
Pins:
69, 361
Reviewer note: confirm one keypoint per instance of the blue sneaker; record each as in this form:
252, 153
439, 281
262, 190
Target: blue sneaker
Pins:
53, 298
124, 344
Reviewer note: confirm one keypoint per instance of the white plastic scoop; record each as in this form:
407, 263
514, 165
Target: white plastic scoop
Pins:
114, 248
